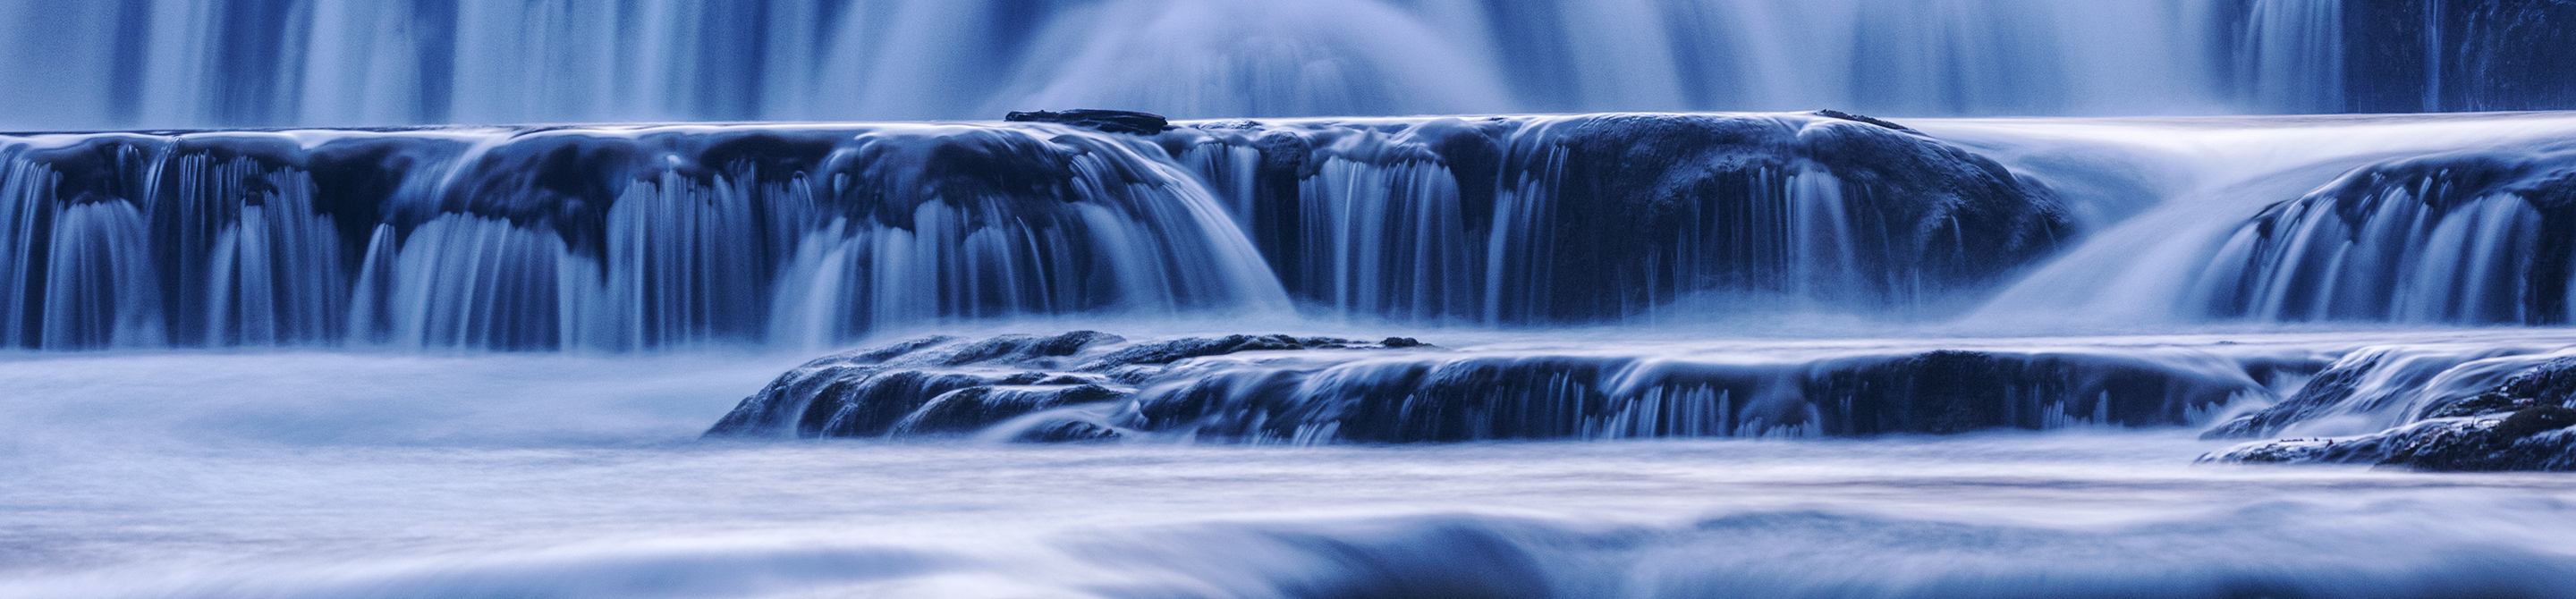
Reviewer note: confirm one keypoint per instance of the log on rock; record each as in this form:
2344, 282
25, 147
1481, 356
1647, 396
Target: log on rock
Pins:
1113, 121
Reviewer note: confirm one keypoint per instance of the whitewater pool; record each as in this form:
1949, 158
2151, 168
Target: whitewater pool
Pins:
296, 474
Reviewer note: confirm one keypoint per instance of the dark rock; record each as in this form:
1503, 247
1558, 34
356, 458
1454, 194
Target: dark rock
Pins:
2535, 420
877, 404
988, 349
2326, 391
900, 349
1025, 378
1167, 352
1113, 121
2532, 439
1134, 374
2453, 435
974, 408
1067, 431
1440, 399
1070, 343
2548, 384
939, 385
1380, 396
837, 401
1084, 394
1831, 113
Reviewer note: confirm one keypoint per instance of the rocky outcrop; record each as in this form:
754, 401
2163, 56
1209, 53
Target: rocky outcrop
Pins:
1285, 389
2530, 439
2523, 423
944, 385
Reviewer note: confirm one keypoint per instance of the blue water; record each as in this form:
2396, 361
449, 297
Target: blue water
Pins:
332, 321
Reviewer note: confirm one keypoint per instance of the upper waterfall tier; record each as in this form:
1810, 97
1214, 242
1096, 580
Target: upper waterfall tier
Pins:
207, 63
811, 235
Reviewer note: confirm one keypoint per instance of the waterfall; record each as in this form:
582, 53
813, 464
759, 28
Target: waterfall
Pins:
2471, 238
600, 238
1550, 219
209, 63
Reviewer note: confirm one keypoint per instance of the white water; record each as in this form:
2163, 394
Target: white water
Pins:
377, 473
2164, 195
299, 474
196, 63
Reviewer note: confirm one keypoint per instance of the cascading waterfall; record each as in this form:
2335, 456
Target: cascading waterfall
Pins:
811, 236
2465, 238
1551, 219
406, 298
198, 63
599, 238
668, 236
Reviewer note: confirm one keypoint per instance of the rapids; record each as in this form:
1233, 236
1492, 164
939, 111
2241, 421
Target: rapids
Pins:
1407, 298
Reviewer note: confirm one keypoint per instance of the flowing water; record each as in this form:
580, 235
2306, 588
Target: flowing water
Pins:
196, 63
315, 328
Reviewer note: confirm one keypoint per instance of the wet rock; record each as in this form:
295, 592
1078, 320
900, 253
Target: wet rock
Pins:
2534, 420
1831, 113
1364, 393
1070, 343
1067, 431
972, 409
1438, 398
898, 349
1166, 352
2531, 439
1113, 121
2549, 384
1021, 348
948, 385
2521, 423
2328, 390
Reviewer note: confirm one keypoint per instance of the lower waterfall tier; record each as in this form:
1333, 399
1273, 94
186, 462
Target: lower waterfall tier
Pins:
1305, 390
2450, 401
